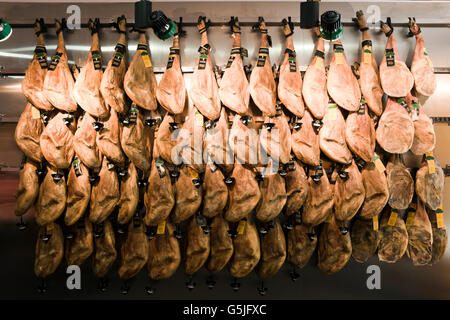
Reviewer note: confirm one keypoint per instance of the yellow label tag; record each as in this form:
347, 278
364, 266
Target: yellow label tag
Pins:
35, 113
50, 227
192, 173
375, 223
198, 119
319, 63
440, 220
161, 228
332, 111
378, 163
430, 160
241, 227
410, 218
146, 58
392, 219
367, 57
339, 58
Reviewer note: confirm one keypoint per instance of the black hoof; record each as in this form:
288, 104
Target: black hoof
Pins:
149, 290
69, 235
190, 285
294, 276
21, 225
46, 237
103, 285
236, 286
262, 291
42, 288
344, 230
125, 289
211, 283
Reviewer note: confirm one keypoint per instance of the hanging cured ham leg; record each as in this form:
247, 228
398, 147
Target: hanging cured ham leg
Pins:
85, 142
421, 66
28, 189
111, 86
395, 122
86, 91
369, 78
305, 141
59, 83
204, 91
396, 79
420, 236
33, 82
49, 250
108, 138
297, 189
28, 132
140, 81
234, 88
78, 192
262, 82
171, 91
360, 133
290, 80
319, 202
275, 138
342, 84
400, 183
376, 190
57, 141
315, 82
424, 135
332, 136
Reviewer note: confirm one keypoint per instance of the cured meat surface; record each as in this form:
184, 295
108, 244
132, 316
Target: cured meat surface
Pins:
273, 195
440, 237
234, 88
332, 136
290, 79
58, 82
51, 201
137, 142
166, 137
364, 240
315, 81
400, 184
305, 141
393, 238
297, 189
171, 91
27, 133
395, 122
244, 140
275, 138
197, 247
334, 248
188, 195
215, 192
319, 202
247, 251
430, 186
140, 81
28, 189
301, 244
349, 193
81, 246
424, 135
360, 133
421, 65
221, 245
85, 142
164, 254
86, 91
108, 139
204, 91
369, 77
33, 82
78, 192
129, 195
111, 86
48, 255
342, 85
134, 251
420, 237
105, 193
262, 82
376, 191
57, 141
396, 79
273, 251
105, 251
244, 195
159, 198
